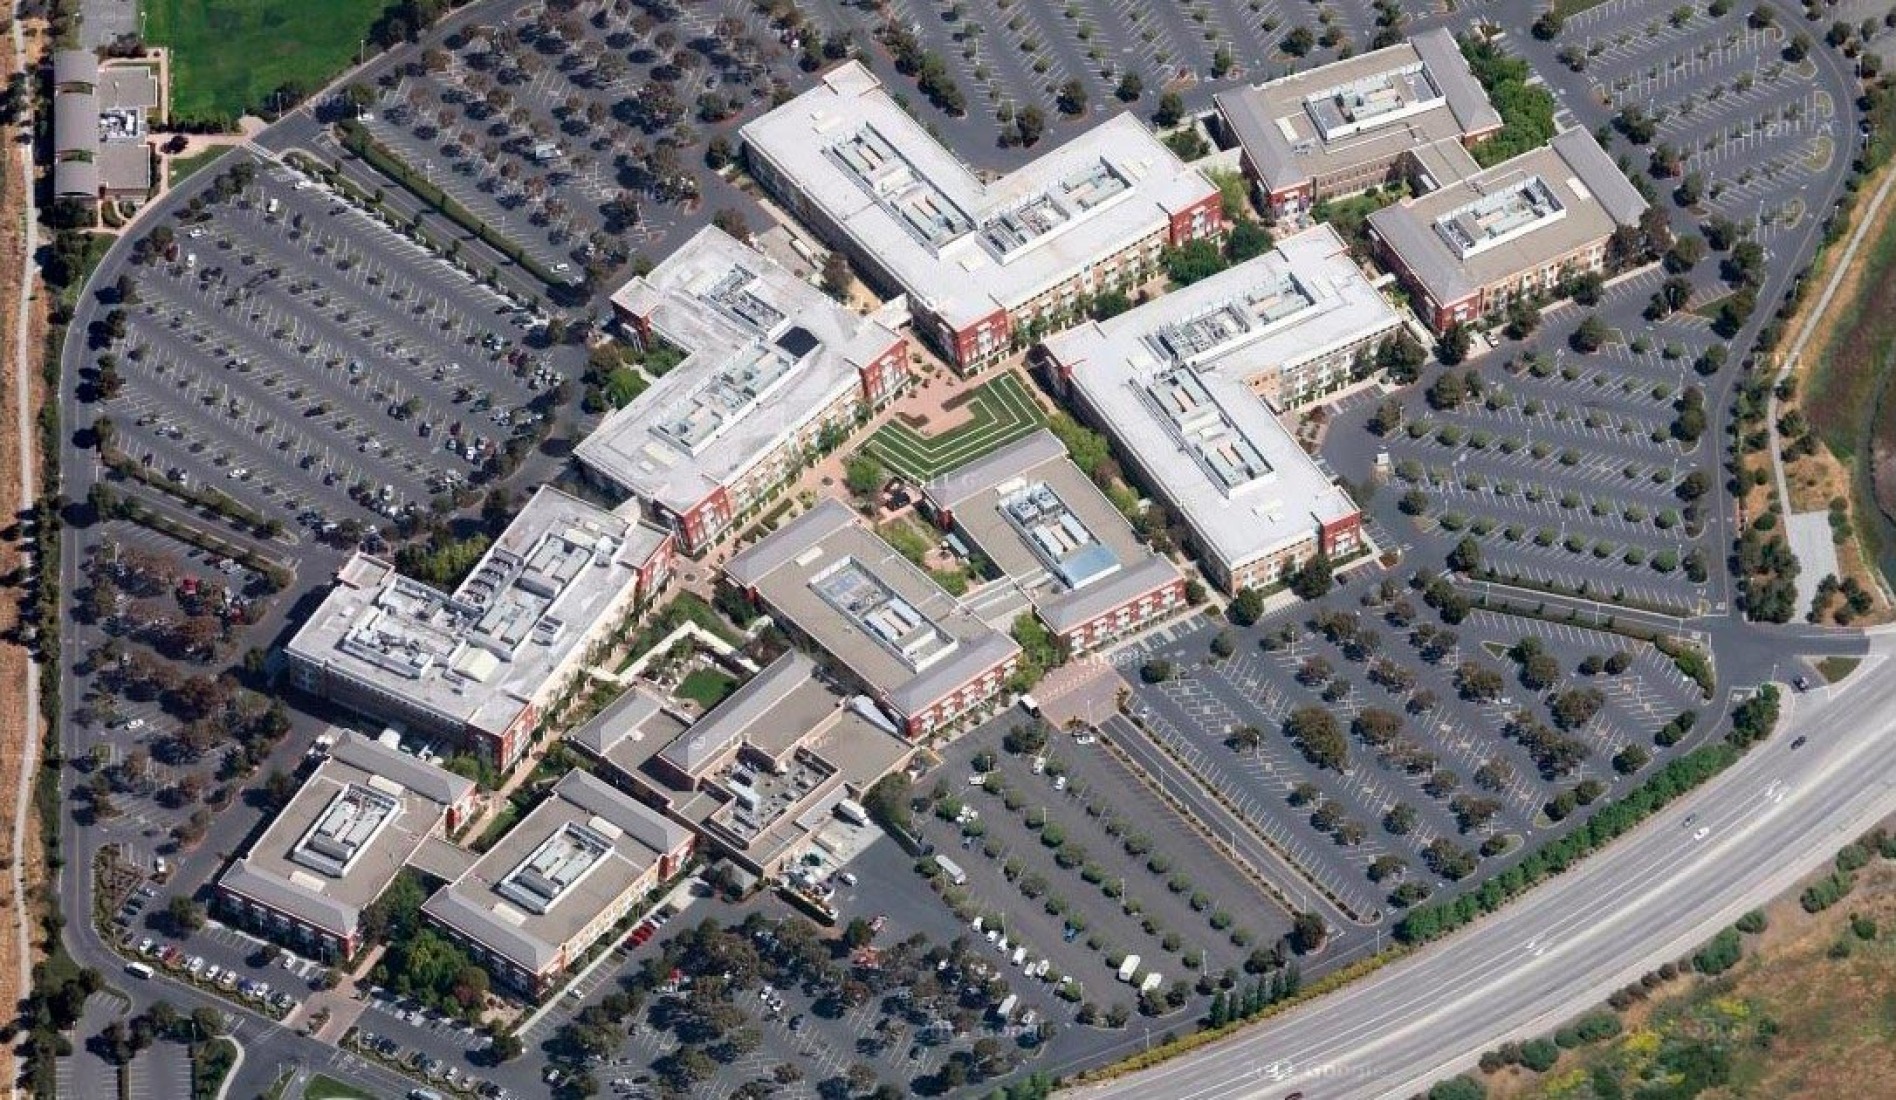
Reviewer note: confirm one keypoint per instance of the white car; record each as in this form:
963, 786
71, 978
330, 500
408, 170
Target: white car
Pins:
135, 724
1703, 832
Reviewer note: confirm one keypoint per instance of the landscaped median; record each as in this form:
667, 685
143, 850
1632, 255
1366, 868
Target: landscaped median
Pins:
1752, 722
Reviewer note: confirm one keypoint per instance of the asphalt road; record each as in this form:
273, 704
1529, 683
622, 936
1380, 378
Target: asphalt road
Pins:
1773, 817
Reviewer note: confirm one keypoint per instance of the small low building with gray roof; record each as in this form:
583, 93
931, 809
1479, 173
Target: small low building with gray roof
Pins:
885, 623
1053, 535
355, 822
1361, 122
575, 866
1515, 230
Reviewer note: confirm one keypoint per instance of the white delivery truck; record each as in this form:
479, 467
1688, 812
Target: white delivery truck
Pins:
1151, 982
1128, 968
952, 870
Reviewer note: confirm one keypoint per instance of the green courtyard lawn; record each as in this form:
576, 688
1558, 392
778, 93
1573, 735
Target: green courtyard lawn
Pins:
1001, 412
229, 55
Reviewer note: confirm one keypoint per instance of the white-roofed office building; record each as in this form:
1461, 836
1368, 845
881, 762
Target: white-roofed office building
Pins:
1028, 509
980, 262
1515, 230
570, 870
772, 364
914, 648
478, 665
1411, 109
1195, 433
351, 827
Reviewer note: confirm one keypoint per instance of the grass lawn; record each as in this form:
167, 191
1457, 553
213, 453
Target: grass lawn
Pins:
228, 56
182, 167
1834, 669
328, 1088
706, 687
1001, 412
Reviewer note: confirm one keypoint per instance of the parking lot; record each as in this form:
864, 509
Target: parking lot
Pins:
580, 137
1438, 762
302, 357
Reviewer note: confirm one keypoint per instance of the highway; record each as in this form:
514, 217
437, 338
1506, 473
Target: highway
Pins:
1653, 896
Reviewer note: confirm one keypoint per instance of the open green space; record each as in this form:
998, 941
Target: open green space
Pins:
706, 687
182, 167
228, 56
1834, 669
328, 1088
1001, 412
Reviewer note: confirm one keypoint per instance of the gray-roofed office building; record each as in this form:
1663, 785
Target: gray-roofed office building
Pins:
354, 823
570, 870
1202, 440
478, 665
1406, 110
980, 261
99, 126
1056, 537
922, 655
772, 365
758, 774
1514, 230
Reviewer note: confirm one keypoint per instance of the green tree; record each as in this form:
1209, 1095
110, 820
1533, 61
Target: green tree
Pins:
863, 475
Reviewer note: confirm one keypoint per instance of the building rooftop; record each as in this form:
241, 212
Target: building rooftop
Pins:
128, 87
1167, 379
1045, 525
75, 67
351, 826
478, 655
766, 353
556, 871
1513, 217
125, 165
870, 607
963, 247
1362, 110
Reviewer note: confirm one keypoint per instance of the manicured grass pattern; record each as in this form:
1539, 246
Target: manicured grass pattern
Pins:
1002, 411
228, 56
706, 687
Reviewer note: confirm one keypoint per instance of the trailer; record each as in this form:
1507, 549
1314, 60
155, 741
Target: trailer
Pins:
1151, 982
952, 870
1128, 968
1006, 1008
852, 811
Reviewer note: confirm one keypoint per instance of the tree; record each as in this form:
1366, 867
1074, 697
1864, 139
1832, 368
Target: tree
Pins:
863, 475
1314, 577
1591, 335
732, 222
1547, 27
1131, 87
1071, 98
1466, 556
184, 915
857, 934
1247, 607
1171, 110
1247, 240
1299, 41
1030, 122
1307, 932
836, 276
1453, 345
1319, 737
1192, 261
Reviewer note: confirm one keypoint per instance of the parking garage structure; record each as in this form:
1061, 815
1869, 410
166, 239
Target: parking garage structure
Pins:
885, 625
980, 263
1515, 230
1365, 121
1062, 548
771, 366
576, 865
478, 666
362, 815
757, 776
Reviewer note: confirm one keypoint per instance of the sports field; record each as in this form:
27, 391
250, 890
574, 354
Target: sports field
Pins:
229, 55
1000, 412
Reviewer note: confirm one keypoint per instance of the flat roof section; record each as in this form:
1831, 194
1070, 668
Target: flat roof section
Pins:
961, 247
1182, 408
1305, 299
765, 354
869, 607
346, 832
1044, 524
555, 872
1516, 216
1362, 110
479, 655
